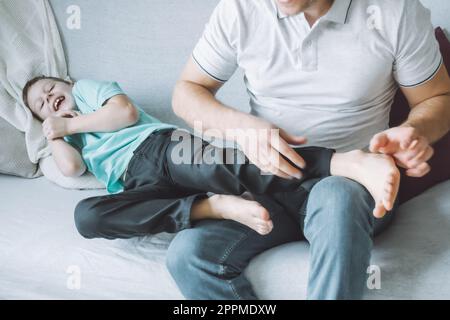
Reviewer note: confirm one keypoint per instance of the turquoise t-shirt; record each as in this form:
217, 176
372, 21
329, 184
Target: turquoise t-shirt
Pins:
107, 154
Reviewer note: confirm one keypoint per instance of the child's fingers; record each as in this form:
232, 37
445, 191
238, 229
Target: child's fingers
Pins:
66, 114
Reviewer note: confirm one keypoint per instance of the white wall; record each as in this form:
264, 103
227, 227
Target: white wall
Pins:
440, 12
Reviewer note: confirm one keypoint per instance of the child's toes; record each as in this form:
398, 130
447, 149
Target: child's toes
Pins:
269, 226
262, 231
260, 213
264, 214
263, 224
392, 178
379, 211
388, 204
263, 228
267, 230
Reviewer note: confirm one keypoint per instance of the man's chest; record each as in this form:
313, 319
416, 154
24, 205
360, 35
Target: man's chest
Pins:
294, 63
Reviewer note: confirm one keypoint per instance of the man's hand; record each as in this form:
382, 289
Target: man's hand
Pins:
411, 150
57, 126
264, 145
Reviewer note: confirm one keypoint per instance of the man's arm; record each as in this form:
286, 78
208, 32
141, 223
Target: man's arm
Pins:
117, 113
67, 158
430, 104
428, 121
194, 100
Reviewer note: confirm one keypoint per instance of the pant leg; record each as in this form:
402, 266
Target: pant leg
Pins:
150, 203
137, 212
208, 260
193, 162
339, 225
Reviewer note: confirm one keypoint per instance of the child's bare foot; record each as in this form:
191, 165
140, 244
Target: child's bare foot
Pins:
377, 172
247, 212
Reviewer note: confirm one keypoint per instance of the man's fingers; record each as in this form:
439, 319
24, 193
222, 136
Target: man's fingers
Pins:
270, 169
289, 153
378, 141
400, 164
420, 146
420, 171
282, 165
288, 169
413, 144
408, 138
291, 139
281, 174
407, 142
422, 157
269, 164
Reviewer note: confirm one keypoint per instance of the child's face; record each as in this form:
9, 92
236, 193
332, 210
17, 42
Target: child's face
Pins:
49, 97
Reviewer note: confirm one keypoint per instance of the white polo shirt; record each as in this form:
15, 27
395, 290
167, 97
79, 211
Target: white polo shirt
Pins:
333, 83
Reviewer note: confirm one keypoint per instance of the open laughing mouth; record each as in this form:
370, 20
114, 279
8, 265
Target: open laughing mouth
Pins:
58, 103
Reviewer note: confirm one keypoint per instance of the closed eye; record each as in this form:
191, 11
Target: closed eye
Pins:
50, 89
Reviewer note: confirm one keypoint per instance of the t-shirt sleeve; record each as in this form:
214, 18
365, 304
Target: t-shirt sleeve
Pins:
93, 94
417, 57
216, 51
74, 141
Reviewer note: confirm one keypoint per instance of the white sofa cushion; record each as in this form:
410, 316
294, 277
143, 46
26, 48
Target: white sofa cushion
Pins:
39, 245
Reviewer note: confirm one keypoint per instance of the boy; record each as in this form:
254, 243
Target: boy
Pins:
95, 125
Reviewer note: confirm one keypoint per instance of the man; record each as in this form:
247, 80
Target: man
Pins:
328, 71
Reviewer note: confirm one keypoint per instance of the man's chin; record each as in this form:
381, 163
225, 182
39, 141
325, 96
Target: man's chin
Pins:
291, 12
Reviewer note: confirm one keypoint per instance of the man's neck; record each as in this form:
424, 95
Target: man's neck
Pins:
316, 10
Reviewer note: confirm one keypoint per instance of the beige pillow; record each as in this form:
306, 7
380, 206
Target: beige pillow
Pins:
14, 159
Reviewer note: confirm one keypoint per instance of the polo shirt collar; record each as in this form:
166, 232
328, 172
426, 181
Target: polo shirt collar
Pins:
338, 12
281, 14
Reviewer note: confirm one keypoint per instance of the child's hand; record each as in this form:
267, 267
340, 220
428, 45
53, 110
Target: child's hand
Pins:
55, 127
68, 114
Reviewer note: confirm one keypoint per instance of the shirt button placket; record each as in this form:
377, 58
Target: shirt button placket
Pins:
309, 56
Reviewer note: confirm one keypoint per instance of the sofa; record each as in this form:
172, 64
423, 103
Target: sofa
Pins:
143, 45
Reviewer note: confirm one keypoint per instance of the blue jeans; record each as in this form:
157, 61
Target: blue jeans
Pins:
208, 260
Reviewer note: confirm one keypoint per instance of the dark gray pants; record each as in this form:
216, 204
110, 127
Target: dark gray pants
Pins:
159, 190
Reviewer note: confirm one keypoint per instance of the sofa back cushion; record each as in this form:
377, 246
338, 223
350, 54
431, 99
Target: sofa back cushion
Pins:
143, 45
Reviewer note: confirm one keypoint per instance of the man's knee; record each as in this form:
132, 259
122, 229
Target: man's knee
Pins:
342, 203
189, 262
186, 251
87, 218
207, 248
